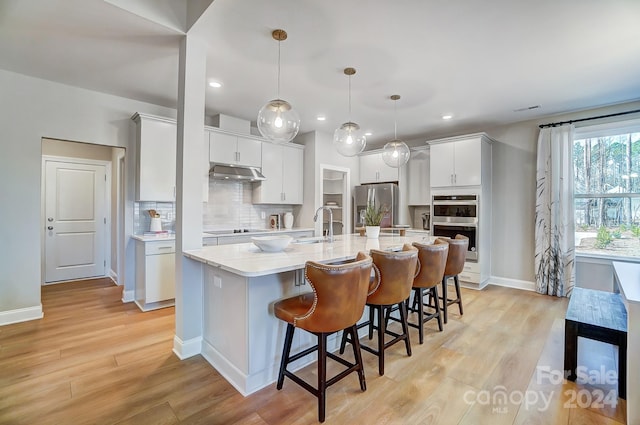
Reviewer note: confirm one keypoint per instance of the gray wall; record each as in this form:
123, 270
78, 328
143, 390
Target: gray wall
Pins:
514, 183
31, 109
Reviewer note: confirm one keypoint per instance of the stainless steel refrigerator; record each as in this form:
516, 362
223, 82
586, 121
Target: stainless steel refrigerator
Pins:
380, 194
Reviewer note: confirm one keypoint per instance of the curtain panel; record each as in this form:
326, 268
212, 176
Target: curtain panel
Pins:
555, 227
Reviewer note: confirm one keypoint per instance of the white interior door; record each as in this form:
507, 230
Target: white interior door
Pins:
75, 220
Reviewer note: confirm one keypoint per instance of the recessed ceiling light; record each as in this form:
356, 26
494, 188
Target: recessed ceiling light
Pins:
368, 133
321, 118
447, 117
215, 84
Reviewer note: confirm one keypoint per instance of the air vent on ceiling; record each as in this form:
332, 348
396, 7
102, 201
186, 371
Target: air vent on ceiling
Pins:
526, 108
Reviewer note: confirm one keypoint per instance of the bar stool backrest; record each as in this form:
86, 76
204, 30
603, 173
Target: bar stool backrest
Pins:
394, 271
432, 260
340, 294
457, 254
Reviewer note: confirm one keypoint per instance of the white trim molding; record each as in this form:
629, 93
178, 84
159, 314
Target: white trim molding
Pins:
525, 285
21, 315
186, 349
127, 296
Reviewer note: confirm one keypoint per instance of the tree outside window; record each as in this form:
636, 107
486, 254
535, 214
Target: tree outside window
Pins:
607, 194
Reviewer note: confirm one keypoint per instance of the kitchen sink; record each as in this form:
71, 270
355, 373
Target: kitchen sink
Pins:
309, 240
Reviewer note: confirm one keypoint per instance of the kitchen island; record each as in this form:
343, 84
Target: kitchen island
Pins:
627, 279
241, 337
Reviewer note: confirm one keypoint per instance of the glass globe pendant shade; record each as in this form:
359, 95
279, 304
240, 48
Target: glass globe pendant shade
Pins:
278, 121
395, 153
349, 140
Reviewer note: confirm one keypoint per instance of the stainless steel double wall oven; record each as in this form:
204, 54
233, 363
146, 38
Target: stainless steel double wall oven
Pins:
457, 215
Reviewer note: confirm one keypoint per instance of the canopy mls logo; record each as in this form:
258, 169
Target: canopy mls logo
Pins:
500, 399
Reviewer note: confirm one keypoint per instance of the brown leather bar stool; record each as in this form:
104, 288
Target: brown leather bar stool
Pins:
336, 303
390, 287
432, 260
455, 264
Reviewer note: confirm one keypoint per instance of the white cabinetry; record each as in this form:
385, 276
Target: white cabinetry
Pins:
228, 148
155, 274
374, 170
282, 168
156, 158
462, 166
460, 161
418, 177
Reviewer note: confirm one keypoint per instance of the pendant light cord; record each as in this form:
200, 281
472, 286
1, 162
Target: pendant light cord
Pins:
395, 120
349, 98
278, 92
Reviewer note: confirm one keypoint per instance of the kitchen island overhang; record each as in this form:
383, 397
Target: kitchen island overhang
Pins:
242, 339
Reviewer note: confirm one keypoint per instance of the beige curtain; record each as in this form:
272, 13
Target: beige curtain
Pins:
554, 228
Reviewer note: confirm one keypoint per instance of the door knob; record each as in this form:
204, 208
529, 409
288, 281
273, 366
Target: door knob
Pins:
50, 227
50, 219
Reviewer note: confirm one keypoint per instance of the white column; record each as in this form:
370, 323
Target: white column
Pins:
191, 98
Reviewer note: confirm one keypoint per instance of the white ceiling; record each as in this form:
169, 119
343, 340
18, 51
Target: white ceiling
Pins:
477, 60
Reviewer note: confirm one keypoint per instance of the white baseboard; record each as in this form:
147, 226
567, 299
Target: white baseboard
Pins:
21, 315
128, 296
114, 276
525, 285
186, 349
232, 374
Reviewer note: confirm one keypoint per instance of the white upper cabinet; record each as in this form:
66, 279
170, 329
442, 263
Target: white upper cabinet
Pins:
227, 148
459, 161
374, 170
282, 168
156, 158
418, 177
205, 167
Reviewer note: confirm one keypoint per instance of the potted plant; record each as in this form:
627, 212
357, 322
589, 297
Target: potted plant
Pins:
372, 218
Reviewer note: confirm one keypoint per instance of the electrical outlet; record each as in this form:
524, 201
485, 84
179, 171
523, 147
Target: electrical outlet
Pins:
169, 216
217, 281
263, 215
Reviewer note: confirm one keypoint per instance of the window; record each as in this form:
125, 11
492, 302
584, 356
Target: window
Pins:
606, 162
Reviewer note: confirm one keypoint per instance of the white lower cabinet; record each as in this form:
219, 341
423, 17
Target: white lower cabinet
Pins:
470, 273
155, 274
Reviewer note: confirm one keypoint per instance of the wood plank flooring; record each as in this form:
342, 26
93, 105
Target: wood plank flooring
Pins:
94, 360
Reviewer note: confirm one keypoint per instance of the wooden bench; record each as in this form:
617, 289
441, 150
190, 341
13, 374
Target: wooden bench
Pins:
597, 315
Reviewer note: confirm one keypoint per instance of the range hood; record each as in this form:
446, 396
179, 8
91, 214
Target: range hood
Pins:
235, 172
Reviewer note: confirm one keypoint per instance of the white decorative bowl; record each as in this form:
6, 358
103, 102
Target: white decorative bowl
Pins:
272, 243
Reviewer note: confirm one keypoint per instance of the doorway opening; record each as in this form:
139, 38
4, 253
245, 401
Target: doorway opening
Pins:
335, 189
81, 203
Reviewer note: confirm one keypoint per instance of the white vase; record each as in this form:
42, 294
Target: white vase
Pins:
288, 220
156, 225
372, 232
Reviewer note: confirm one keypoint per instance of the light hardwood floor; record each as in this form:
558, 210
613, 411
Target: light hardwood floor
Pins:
94, 360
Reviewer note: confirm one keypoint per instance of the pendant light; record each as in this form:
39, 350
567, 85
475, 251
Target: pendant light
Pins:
396, 152
349, 140
277, 120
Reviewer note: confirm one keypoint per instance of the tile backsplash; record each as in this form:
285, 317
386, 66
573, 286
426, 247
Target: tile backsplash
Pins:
229, 207
142, 220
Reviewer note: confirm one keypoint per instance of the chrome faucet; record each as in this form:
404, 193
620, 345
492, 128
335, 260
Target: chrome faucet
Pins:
315, 218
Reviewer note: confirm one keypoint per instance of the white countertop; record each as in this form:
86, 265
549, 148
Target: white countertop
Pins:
161, 237
172, 236
628, 275
248, 260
